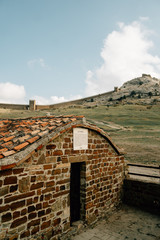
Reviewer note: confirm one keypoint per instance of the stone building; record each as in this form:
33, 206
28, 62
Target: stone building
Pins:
53, 172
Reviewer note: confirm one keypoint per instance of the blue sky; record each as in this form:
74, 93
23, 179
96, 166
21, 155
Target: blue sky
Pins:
57, 50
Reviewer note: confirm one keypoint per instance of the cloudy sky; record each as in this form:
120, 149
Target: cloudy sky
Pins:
58, 50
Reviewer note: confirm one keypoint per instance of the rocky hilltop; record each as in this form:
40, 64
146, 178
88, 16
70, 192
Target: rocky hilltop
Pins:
145, 85
141, 90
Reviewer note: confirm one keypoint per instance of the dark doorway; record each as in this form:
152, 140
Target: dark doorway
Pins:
75, 192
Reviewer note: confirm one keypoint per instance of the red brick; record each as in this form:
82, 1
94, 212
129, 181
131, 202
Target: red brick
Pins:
35, 230
10, 180
65, 145
56, 221
48, 189
25, 234
45, 204
31, 208
39, 206
48, 196
33, 223
16, 214
18, 170
63, 181
29, 201
50, 184
64, 159
37, 185
32, 215
67, 140
18, 222
57, 153
41, 213
35, 199
23, 212
65, 170
6, 217
67, 152
18, 197
48, 210
4, 208
51, 146
45, 224
56, 171
16, 205
60, 193
48, 166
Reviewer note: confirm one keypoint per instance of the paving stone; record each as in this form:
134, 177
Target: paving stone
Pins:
126, 224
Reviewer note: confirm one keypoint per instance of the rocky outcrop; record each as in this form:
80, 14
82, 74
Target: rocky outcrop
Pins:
144, 90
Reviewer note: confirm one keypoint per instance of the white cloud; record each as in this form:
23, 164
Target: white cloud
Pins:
12, 93
37, 62
126, 55
53, 99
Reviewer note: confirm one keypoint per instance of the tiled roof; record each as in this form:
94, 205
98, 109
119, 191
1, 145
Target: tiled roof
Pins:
20, 137
17, 134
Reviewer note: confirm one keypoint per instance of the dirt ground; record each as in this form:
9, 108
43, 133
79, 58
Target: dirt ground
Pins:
127, 223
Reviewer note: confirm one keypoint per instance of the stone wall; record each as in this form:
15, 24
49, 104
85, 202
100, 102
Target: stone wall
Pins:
145, 195
14, 106
35, 196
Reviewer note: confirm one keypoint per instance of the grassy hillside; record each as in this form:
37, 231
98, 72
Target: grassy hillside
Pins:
135, 128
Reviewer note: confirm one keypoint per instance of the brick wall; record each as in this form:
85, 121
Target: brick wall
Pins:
35, 197
145, 195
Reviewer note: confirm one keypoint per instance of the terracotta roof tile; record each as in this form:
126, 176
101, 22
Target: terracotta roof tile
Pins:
3, 150
17, 134
8, 138
6, 144
8, 153
19, 147
31, 140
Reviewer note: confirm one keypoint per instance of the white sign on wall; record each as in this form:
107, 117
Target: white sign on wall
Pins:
80, 138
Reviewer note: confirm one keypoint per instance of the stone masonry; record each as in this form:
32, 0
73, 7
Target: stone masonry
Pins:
35, 193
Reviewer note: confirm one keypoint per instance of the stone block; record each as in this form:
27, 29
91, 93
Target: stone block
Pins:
4, 191
24, 184
42, 159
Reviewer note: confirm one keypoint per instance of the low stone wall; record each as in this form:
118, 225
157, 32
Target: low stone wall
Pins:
32, 104
145, 195
14, 106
